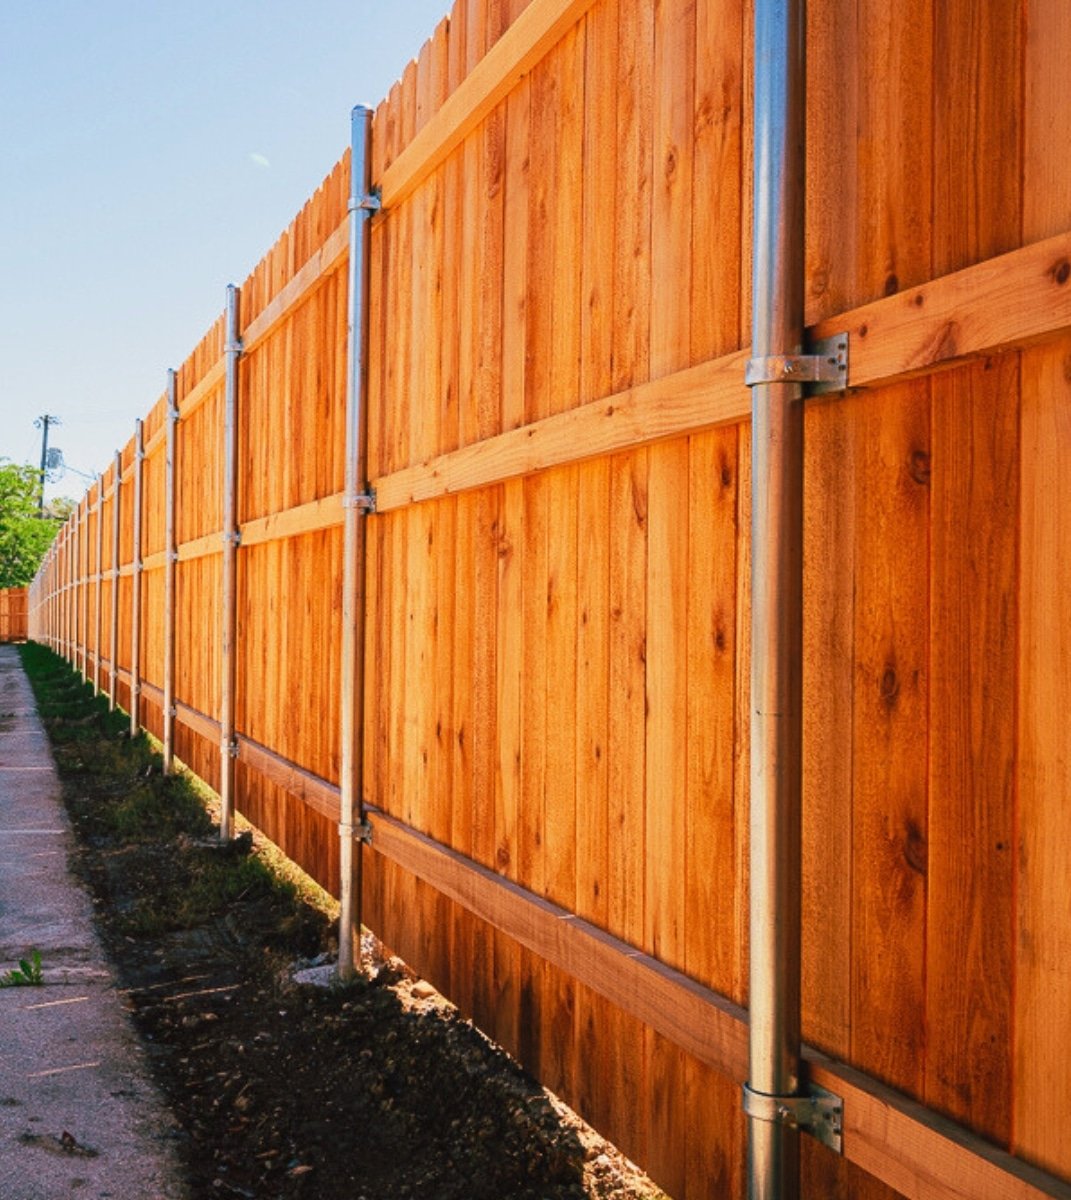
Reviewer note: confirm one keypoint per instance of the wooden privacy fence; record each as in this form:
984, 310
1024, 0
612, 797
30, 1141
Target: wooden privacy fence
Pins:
13, 614
557, 572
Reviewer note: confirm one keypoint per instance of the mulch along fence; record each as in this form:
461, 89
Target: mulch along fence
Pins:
556, 709
14, 603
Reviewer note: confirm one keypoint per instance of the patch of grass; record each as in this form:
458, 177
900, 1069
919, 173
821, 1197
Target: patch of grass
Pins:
27, 974
211, 884
130, 799
159, 808
118, 796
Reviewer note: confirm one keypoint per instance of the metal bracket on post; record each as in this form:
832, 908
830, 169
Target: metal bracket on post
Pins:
234, 537
824, 370
370, 203
818, 1112
229, 746
233, 347
361, 831
364, 502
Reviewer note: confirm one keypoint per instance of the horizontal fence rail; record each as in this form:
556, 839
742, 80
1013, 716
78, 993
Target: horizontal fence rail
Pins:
556, 571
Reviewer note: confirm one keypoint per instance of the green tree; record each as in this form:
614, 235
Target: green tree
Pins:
24, 536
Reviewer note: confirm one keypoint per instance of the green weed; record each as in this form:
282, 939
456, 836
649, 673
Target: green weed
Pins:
27, 974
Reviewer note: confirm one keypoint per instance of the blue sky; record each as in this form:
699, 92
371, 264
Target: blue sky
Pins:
150, 153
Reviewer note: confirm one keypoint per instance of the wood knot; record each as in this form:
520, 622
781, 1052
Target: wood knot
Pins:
915, 850
919, 467
892, 284
889, 686
502, 856
639, 504
1060, 272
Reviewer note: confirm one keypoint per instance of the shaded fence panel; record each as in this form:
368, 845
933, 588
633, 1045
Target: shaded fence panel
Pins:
13, 614
557, 692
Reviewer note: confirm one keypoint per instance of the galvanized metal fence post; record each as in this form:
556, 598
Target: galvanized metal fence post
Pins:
67, 593
135, 598
776, 602
113, 649
72, 593
358, 502
99, 578
68, 553
170, 556
76, 627
231, 535
61, 594
83, 593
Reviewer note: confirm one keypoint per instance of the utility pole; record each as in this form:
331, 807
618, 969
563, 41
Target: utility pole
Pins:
43, 423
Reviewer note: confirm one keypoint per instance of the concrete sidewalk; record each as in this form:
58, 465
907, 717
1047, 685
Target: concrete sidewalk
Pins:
78, 1114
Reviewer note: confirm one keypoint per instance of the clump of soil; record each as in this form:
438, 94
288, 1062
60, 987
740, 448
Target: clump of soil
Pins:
374, 1090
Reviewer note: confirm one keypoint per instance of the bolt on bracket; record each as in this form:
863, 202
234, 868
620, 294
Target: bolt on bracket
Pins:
361, 831
370, 203
824, 370
229, 746
817, 1112
363, 502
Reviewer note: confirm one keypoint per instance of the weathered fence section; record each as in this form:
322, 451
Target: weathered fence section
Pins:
13, 614
556, 702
